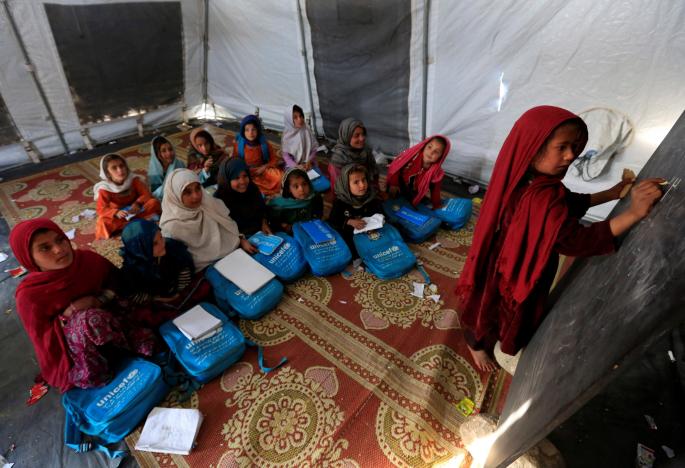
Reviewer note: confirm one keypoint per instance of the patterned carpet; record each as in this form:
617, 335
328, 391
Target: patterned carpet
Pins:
373, 372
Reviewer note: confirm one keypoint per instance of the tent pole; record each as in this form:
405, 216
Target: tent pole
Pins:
424, 98
306, 66
205, 40
34, 75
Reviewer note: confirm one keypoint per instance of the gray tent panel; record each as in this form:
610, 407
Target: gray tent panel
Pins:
361, 65
610, 310
8, 133
121, 56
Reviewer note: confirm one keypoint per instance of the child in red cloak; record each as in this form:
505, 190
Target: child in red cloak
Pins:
527, 219
417, 170
62, 303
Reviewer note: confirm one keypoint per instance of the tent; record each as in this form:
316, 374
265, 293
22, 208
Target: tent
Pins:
77, 73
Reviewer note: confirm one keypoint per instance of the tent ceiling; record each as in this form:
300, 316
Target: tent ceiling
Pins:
465, 70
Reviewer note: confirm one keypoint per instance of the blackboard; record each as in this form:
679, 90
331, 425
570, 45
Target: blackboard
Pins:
609, 310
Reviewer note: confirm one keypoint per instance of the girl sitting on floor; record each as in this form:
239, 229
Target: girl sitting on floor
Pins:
120, 194
163, 160
298, 144
527, 219
158, 273
65, 304
298, 202
198, 220
206, 156
251, 146
242, 197
417, 170
354, 199
351, 149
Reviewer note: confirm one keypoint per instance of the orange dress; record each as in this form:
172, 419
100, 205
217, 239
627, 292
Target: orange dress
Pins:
269, 181
109, 203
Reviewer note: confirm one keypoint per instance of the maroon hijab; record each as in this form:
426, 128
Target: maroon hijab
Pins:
43, 295
536, 221
433, 175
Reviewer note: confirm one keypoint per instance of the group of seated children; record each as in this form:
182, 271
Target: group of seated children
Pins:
73, 302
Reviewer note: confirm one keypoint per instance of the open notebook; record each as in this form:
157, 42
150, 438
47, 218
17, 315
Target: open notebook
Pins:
243, 271
197, 323
170, 430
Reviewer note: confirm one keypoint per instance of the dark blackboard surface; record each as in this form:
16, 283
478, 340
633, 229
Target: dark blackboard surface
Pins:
609, 311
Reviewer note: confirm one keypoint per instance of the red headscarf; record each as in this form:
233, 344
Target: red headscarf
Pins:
43, 295
537, 217
434, 174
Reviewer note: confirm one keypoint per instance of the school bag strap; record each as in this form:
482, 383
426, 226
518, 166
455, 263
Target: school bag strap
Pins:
73, 438
260, 357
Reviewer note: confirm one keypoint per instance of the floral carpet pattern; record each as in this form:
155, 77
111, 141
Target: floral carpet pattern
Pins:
373, 372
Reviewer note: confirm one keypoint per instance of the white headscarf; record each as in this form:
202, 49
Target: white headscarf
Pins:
296, 141
106, 184
208, 231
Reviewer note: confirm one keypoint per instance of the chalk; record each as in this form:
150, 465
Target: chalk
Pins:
665, 182
434, 246
671, 356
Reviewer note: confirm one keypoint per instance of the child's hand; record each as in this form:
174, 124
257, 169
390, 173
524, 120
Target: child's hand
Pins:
135, 208
265, 228
357, 223
287, 227
644, 196
208, 164
247, 247
615, 191
308, 165
121, 214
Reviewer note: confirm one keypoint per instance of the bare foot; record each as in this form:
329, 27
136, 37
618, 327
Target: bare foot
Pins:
482, 360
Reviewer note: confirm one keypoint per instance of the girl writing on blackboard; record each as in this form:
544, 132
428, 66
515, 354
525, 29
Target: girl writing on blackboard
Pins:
527, 219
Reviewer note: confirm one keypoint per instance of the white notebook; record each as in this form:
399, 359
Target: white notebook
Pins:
313, 174
197, 323
243, 271
170, 430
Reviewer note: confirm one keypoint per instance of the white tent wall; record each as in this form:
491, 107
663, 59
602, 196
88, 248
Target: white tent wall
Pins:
627, 55
28, 110
255, 59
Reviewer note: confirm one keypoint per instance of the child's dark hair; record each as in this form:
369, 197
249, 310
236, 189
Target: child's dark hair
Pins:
358, 169
577, 123
297, 109
207, 136
108, 159
35, 234
292, 174
440, 139
158, 142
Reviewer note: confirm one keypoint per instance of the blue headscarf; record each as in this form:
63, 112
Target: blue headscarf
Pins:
155, 170
261, 139
141, 270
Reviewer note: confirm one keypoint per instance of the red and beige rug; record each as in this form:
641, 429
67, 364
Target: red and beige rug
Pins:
373, 372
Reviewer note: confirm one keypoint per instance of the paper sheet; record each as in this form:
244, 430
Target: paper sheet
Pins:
418, 290
244, 271
88, 213
3, 257
372, 222
170, 430
313, 174
71, 233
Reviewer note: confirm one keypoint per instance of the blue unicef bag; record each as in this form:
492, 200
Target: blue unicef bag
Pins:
287, 261
384, 252
327, 257
235, 301
454, 213
321, 184
208, 357
111, 412
415, 227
